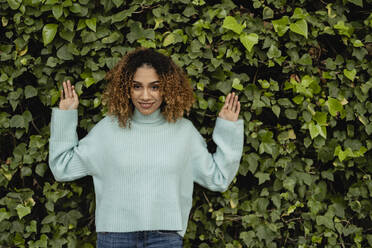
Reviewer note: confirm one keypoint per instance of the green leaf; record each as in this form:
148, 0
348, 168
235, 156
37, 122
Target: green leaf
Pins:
30, 91
289, 184
49, 32
169, 39
298, 14
357, 43
326, 221
262, 177
299, 27
281, 25
231, 24
41, 169
122, 15
320, 118
91, 23
356, 2
252, 160
4, 215
350, 74
314, 130
17, 121
14, 4
248, 238
89, 81
64, 53
290, 114
335, 107
343, 29
236, 84
57, 11
249, 40
22, 210
203, 104
26, 171
267, 13
274, 52
276, 110
112, 38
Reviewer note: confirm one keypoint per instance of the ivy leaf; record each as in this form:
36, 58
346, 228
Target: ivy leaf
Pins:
41, 169
64, 53
267, 13
169, 40
314, 130
30, 91
4, 215
273, 52
262, 177
17, 121
203, 104
236, 84
89, 81
281, 25
22, 210
298, 14
91, 23
57, 11
14, 4
249, 40
335, 106
49, 32
299, 27
276, 110
350, 74
111, 38
356, 2
231, 23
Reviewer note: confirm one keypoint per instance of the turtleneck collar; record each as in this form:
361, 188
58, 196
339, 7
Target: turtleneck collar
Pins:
154, 118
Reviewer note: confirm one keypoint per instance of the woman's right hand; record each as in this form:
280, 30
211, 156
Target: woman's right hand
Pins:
70, 99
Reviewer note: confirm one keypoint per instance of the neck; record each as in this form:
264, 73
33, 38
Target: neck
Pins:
154, 118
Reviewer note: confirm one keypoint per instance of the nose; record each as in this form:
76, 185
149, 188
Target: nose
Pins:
145, 94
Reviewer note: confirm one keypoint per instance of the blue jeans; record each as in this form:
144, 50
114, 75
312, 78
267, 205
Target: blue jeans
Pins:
141, 239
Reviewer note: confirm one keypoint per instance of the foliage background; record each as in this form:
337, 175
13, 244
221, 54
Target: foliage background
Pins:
302, 70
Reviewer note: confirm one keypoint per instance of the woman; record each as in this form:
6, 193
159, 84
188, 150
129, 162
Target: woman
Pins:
144, 156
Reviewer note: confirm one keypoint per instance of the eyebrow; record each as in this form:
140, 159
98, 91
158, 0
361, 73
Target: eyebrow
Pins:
155, 82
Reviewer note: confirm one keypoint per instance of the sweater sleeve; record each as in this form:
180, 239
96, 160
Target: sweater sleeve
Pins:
69, 159
216, 171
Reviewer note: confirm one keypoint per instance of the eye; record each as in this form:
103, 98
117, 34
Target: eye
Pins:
136, 86
155, 87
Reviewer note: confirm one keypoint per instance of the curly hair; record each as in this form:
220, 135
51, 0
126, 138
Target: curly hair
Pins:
175, 86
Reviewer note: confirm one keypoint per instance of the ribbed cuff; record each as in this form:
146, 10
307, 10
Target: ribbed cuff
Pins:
230, 133
227, 125
63, 125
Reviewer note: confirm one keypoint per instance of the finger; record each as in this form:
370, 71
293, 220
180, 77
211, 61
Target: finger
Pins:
235, 105
227, 99
65, 89
74, 93
238, 109
231, 101
61, 93
69, 91
226, 102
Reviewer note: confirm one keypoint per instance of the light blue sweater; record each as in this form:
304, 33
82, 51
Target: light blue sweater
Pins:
143, 176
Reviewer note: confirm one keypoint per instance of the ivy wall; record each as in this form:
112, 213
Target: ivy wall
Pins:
302, 70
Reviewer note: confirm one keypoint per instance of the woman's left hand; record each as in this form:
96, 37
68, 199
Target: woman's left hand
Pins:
230, 111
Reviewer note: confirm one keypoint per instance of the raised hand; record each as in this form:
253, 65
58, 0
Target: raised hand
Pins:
70, 99
230, 111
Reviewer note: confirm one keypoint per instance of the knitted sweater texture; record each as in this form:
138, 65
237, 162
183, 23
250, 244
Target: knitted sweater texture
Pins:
144, 175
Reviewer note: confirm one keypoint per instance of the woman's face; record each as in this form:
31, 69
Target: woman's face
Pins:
145, 91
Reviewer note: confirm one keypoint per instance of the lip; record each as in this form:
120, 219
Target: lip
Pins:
146, 105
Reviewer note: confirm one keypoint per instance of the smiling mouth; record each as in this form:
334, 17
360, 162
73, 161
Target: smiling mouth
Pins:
146, 105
